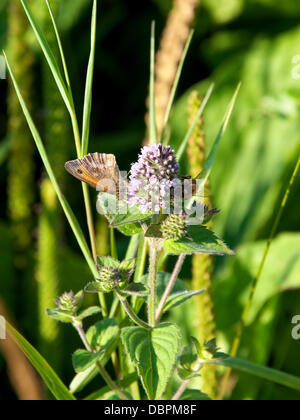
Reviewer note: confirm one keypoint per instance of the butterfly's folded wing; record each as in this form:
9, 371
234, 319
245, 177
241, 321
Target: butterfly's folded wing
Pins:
99, 170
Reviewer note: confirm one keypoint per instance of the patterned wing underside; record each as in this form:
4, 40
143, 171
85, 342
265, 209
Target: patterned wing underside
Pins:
98, 170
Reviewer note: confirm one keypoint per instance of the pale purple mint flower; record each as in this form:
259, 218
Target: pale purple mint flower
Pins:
152, 177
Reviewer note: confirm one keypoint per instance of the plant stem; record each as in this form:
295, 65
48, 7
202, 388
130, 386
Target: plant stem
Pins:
169, 287
88, 208
153, 268
131, 313
78, 326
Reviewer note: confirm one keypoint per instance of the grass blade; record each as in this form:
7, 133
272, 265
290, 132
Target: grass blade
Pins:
183, 145
53, 382
49, 57
175, 85
62, 55
153, 129
211, 157
266, 373
89, 84
203, 176
68, 211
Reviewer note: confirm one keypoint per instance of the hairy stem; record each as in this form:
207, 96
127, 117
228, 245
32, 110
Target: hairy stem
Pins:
169, 287
131, 313
153, 268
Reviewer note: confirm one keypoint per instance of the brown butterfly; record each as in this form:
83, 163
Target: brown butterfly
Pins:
98, 170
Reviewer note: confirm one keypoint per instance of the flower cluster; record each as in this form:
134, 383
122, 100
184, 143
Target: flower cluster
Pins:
152, 177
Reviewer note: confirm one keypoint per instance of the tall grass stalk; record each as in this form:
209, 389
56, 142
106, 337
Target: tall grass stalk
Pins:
202, 264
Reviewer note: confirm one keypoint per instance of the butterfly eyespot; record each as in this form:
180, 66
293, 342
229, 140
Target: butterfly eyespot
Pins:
79, 171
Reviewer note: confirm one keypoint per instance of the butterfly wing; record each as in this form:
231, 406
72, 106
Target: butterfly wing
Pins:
99, 170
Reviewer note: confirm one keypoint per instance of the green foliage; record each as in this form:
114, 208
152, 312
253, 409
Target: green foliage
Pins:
54, 384
154, 354
83, 359
202, 241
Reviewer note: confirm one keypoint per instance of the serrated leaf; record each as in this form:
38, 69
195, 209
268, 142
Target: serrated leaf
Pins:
103, 333
83, 359
154, 353
176, 299
108, 261
93, 310
202, 241
60, 316
135, 289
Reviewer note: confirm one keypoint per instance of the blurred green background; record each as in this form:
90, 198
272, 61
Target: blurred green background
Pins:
255, 41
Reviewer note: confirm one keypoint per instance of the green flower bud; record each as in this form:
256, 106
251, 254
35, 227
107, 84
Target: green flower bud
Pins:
174, 227
109, 278
67, 302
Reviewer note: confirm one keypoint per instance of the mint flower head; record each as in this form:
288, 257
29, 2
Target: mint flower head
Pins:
152, 177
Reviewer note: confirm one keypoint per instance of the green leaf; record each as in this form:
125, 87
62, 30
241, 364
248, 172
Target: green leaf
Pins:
133, 215
65, 205
195, 395
203, 241
61, 316
119, 213
266, 373
135, 289
96, 287
127, 265
176, 299
154, 231
93, 310
103, 333
188, 357
50, 378
83, 359
152, 128
131, 229
89, 85
108, 261
154, 353
49, 57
